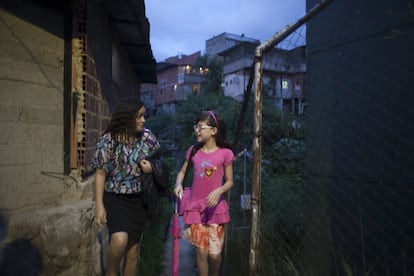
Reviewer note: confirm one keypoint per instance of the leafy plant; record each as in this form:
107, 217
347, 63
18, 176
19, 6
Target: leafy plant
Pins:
153, 243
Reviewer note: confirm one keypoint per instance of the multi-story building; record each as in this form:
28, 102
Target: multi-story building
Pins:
283, 70
148, 91
177, 79
283, 74
224, 41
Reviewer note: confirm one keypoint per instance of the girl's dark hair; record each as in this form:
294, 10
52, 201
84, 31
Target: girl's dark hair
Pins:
123, 119
213, 119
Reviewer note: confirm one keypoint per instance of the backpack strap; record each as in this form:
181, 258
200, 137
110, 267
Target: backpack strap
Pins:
194, 149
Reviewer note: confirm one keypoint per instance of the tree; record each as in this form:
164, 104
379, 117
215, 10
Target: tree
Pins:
187, 112
214, 74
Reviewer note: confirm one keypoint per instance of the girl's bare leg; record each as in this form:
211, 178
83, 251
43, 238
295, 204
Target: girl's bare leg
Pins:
131, 260
215, 262
202, 261
116, 250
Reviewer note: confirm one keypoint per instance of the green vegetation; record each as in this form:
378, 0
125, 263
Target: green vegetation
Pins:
153, 243
283, 150
214, 75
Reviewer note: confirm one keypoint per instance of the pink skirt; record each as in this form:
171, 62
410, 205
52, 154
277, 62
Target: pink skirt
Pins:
198, 212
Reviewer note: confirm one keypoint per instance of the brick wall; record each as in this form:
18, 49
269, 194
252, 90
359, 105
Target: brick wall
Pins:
93, 46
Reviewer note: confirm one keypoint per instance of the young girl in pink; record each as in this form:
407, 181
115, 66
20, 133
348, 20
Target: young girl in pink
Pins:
208, 211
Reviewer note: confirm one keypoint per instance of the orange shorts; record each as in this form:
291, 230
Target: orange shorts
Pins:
206, 236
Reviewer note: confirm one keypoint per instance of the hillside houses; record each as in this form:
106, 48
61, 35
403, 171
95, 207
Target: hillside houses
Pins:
176, 80
284, 74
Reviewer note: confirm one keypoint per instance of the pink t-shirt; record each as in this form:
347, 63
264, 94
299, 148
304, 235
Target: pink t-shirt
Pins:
208, 172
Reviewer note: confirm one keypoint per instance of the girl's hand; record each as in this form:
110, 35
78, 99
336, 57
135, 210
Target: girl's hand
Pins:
146, 166
178, 191
213, 197
100, 215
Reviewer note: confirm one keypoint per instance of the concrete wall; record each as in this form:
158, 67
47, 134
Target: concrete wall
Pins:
40, 202
31, 114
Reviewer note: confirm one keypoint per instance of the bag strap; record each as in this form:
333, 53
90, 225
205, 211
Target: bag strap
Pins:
194, 149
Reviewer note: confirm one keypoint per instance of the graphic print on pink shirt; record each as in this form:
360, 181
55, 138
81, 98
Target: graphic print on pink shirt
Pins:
208, 169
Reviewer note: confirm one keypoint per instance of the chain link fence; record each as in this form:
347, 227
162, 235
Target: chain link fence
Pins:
336, 177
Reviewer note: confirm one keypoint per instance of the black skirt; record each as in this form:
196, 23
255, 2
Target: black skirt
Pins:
125, 213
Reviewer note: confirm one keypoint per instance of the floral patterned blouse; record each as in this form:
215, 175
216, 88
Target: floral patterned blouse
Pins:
121, 161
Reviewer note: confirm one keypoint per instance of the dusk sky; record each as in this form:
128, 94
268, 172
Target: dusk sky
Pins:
183, 26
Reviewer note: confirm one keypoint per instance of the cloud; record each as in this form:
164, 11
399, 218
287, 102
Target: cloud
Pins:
183, 26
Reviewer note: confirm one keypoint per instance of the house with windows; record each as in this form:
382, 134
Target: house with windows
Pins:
177, 79
283, 70
148, 91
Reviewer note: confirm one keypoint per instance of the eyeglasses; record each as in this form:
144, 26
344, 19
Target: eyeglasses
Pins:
200, 128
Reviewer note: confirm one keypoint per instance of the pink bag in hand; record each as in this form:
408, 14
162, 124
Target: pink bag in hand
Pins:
185, 201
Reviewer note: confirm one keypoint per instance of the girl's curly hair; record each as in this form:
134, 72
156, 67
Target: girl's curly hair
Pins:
122, 122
